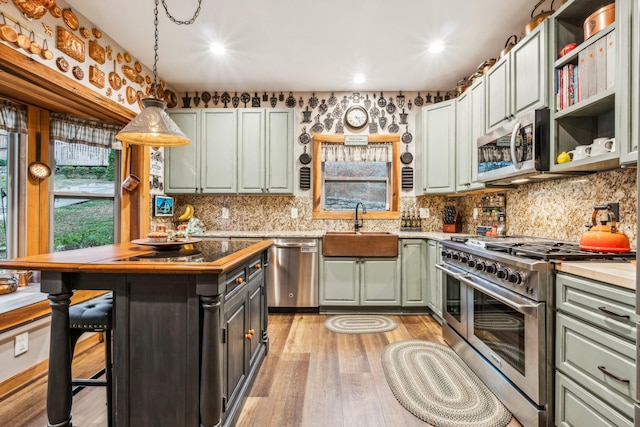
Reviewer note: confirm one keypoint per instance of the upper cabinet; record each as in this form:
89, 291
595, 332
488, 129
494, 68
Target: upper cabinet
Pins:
629, 153
232, 151
436, 149
518, 81
591, 91
469, 127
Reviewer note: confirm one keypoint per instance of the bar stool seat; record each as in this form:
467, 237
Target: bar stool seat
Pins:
94, 316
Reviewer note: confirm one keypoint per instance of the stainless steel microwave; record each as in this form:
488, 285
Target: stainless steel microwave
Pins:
517, 151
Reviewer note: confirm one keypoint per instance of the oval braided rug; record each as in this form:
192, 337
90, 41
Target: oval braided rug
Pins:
360, 324
434, 384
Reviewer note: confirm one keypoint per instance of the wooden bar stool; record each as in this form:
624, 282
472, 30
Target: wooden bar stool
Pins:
94, 316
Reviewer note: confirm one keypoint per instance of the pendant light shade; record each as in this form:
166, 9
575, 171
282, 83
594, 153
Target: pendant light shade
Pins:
153, 126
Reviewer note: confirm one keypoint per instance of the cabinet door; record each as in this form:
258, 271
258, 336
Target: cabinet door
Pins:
380, 282
478, 123
440, 147
629, 150
251, 151
497, 94
340, 284
182, 165
434, 284
255, 320
234, 354
529, 71
218, 155
463, 142
414, 273
279, 155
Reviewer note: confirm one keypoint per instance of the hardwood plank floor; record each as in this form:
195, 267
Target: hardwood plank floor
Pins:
311, 377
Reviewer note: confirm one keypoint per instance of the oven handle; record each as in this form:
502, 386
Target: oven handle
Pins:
527, 309
516, 129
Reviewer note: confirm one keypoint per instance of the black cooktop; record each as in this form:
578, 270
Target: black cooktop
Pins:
203, 251
539, 248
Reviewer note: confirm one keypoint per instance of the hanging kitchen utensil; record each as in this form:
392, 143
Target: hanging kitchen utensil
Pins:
255, 101
339, 126
245, 98
306, 115
382, 102
281, 97
406, 157
367, 102
170, 98
196, 99
393, 127
46, 53
291, 101
38, 169
114, 79
23, 41
206, 97
437, 98
344, 103
215, 98
337, 112
265, 97
537, 20
409, 105
428, 98
391, 107
419, 102
305, 178
603, 237
35, 47
407, 178
317, 127
323, 107
300, 102
374, 112
186, 100
407, 137
400, 100
304, 137
305, 158
235, 101
373, 126
332, 100
225, 98
328, 122
509, 44
273, 100
403, 117
382, 120
313, 101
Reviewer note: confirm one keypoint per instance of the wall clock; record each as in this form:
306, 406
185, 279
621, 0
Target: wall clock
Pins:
356, 117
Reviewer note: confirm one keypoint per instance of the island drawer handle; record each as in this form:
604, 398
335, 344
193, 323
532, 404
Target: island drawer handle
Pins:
257, 266
604, 370
252, 331
239, 281
604, 310
248, 336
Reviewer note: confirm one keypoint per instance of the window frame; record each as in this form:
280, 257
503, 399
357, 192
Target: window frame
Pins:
394, 178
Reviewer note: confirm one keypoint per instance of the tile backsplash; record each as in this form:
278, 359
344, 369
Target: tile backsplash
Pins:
557, 209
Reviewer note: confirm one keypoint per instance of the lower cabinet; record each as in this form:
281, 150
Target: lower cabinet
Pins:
346, 281
434, 283
414, 272
243, 331
595, 353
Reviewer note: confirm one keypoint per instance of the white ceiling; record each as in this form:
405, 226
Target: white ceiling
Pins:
301, 45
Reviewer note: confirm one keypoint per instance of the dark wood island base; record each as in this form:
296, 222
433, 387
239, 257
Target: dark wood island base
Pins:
189, 337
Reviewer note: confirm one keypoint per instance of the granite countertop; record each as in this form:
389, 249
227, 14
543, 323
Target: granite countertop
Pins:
263, 234
616, 273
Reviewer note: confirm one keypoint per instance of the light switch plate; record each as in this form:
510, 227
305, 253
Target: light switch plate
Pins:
424, 213
225, 213
21, 344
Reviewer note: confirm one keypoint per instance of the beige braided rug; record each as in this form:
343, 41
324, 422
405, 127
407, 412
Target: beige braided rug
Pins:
434, 384
360, 324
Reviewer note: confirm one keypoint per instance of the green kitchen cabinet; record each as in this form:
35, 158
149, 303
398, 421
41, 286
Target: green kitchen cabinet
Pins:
436, 149
629, 150
469, 126
181, 164
414, 272
265, 151
518, 81
346, 281
434, 285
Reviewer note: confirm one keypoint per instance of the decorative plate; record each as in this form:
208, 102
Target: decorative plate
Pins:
127, 57
70, 19
62, 64
165, 246
77, 72
96, 33
131, 95
56, 12
84, 32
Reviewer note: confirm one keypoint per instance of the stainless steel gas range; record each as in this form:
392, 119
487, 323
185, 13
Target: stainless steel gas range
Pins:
498, 308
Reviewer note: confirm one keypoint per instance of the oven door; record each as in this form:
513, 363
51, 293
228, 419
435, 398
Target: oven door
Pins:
509, 331
454, 299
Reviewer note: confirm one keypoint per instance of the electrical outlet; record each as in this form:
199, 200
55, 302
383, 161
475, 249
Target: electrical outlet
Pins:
475, 213
225, 213
424, 213
21, 344
294, 213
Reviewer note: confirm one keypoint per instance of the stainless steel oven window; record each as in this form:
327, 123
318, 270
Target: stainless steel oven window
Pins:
453, 302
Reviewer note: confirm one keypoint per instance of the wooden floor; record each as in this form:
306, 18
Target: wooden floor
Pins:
311, 378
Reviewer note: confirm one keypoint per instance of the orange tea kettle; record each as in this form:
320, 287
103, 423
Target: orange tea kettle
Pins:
604, 237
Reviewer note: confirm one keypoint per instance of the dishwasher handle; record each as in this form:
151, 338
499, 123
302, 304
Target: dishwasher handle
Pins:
295, 243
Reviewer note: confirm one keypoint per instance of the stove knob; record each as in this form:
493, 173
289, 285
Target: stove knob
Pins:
491, 268
464, 258
503, 273
447, 254
480, 266
456, 256
516, 278
472, 262
444, 253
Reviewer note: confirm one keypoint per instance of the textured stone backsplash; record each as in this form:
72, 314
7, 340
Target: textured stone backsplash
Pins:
557, 209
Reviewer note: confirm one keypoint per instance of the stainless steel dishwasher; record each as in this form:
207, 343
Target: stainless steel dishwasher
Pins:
292, 276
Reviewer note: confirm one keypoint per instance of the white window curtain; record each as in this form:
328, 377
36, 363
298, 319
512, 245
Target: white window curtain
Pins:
13, 117
382, 152
81, 131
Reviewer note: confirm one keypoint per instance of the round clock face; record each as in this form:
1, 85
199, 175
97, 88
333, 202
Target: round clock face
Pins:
356, 117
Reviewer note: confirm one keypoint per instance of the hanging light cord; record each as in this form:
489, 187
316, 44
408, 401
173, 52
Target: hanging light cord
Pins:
155, 24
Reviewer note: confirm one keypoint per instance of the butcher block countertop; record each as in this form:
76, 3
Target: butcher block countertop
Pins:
621, 274
117, 258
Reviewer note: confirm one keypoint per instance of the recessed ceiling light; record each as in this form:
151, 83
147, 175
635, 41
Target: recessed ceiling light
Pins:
217, 48
359, 78
436, 46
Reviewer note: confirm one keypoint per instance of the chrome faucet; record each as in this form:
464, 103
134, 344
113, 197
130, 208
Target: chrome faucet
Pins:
359, 224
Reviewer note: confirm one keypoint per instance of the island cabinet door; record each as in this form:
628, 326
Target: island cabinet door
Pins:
255, 316
235, 324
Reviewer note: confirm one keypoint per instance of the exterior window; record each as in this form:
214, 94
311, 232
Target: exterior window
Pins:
347, 183
85, 199
8, 194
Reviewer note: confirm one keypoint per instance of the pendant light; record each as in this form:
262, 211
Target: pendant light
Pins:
153, 126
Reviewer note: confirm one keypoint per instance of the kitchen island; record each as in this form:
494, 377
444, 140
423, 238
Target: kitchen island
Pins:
189, 327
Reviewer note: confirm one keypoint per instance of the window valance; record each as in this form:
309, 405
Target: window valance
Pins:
376, 152
76, 130
13, 117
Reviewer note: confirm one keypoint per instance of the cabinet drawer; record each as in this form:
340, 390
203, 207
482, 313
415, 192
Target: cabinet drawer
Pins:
607, 306
585, 352
255, 267
577, 407
235, 280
